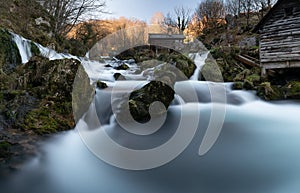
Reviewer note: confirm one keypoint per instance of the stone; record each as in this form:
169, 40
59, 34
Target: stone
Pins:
42, 21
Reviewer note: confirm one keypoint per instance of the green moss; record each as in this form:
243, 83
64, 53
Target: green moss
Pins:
292, 90
255, 78
267, 91
238, 85
40, 121
34, 49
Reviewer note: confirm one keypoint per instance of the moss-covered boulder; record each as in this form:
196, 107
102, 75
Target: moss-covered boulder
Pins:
140, 101
83, 94
211, 71
51, 82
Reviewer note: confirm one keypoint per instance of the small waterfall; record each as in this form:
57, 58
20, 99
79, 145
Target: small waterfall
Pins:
24, 47
199, 60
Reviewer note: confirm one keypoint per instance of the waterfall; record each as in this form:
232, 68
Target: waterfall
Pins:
199, 60
24, 47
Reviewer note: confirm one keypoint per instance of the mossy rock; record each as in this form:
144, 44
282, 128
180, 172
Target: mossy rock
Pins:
5, 149
211, 71
242, 75
238, 85
101, 85
82, 94
51, 83
9, 53
248, 85
254, 78
50, 117
292, 90
140, 101
267, 91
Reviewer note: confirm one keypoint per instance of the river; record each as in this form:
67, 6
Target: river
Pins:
257, 149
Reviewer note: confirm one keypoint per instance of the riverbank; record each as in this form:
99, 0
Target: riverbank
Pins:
281, 84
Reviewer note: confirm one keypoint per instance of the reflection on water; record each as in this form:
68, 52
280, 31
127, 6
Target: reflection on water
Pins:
257, 151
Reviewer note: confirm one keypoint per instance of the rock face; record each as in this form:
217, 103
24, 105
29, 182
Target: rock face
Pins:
27, 18
50, 82
9, 53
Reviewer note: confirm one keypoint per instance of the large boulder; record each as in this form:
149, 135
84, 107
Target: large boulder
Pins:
51, 82
35, 100
267, 91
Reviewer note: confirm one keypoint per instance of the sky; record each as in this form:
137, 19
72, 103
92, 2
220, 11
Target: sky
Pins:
144, 9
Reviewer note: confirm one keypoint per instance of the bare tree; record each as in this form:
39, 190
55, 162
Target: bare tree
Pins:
157, 23
233, 7
67, 13
180, 18
211, 11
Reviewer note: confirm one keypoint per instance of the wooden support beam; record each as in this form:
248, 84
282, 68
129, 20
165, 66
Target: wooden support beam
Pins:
246, 61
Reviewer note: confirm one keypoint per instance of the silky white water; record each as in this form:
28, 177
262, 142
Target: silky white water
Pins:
257, 151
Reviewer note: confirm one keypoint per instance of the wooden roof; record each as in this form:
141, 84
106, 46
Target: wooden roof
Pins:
166, 36
268, 15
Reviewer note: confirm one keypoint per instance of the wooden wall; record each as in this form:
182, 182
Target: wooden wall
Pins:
280, 38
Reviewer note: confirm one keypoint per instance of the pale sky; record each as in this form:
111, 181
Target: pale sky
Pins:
144, 9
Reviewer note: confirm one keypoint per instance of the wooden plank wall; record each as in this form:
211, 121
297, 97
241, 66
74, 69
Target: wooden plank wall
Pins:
280, 38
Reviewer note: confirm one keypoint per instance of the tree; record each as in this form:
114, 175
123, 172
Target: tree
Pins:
211, 11
157, 23
67, 13
180, 18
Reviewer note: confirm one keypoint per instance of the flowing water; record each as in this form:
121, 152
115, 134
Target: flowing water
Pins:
257, 149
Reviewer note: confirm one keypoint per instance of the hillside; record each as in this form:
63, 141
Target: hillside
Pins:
28, 19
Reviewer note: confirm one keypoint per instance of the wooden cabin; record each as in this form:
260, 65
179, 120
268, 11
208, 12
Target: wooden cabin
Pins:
166, 40
280, 36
